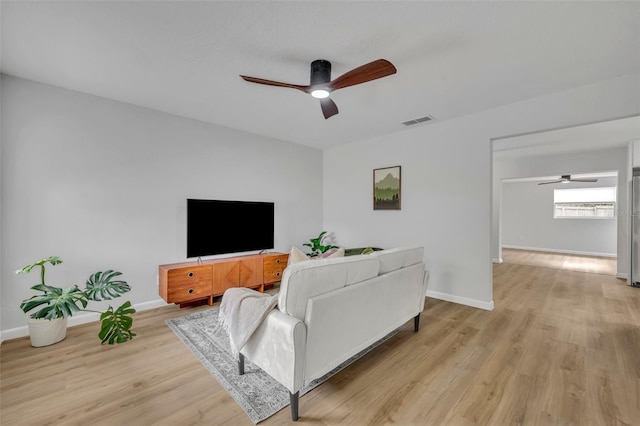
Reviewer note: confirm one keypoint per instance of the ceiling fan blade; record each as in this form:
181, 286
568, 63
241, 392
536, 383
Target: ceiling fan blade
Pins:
329, 108
367, 72
553, 181
583, 180
306, 89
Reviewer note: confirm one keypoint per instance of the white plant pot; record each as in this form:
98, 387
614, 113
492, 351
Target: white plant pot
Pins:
43, 332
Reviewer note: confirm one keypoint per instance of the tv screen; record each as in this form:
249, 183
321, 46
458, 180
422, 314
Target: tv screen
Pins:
221, 226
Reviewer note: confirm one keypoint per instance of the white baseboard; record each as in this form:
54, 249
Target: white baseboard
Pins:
581, 253
14, 333
498, 260
488, 306
622, 276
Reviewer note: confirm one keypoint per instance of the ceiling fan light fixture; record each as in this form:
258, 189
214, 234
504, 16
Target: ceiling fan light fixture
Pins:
320, 93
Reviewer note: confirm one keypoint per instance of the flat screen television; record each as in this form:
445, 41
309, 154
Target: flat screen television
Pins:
223, 226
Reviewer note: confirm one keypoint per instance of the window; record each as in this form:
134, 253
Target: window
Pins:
588, 203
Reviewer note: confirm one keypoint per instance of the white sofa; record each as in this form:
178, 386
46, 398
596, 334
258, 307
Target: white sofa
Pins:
331, 309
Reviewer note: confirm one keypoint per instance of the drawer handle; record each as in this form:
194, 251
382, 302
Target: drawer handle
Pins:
190, 291
190, 274
277, 274
277, 260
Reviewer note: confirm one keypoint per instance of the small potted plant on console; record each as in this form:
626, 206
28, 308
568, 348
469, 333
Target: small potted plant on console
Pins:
316, 246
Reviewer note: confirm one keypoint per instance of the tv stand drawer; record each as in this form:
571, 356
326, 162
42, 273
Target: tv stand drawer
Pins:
274, 266
185, 284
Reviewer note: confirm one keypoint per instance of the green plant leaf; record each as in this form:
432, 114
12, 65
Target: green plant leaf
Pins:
59, 303
316, 245
323, 249
54, 260
116, 325
102, 286
45, 288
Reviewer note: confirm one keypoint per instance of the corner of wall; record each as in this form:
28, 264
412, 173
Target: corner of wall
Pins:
474, 303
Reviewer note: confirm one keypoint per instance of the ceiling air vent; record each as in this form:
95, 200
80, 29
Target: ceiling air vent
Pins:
418, 120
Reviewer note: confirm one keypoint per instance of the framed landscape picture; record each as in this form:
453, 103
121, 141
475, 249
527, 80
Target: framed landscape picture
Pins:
386, 188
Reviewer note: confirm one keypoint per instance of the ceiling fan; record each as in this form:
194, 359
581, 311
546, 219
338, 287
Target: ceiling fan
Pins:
321, 85
567, 179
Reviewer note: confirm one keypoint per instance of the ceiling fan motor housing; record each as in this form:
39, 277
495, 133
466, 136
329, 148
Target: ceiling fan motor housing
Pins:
320, 72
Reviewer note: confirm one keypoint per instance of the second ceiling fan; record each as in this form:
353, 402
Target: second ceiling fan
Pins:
321, 84
567, 179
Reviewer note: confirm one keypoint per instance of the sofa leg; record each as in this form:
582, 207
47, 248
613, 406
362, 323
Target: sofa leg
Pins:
294, 398
240, 364
416, 323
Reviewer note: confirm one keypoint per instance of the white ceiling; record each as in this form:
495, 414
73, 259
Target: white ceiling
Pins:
590, 137
453, 58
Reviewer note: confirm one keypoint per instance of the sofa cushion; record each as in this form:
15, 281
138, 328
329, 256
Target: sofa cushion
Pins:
296, 255
399, 257
333, 253
303, 280
360, 250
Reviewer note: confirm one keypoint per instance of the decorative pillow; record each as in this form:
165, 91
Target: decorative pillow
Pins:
296, 255
334, 253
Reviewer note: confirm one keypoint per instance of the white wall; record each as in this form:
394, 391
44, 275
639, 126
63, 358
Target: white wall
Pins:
447, 183
635, 161
574, 163
104, 184
1, 203
527, 221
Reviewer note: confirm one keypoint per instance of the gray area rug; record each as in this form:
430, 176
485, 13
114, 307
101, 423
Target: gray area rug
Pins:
256, 392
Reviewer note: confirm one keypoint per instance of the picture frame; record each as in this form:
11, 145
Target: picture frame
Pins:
387, 188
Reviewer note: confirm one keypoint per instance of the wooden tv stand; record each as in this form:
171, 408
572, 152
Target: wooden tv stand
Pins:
188, 282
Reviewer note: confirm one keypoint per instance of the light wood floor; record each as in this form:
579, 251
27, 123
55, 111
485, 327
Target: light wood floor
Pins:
573, 262
560, 348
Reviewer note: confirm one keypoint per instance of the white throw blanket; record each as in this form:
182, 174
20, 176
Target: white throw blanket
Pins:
242, 310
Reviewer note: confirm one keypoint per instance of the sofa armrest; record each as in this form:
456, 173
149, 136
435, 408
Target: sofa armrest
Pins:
278, 348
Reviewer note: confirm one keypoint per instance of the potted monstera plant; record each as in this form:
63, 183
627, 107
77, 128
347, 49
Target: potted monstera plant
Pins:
48, 311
